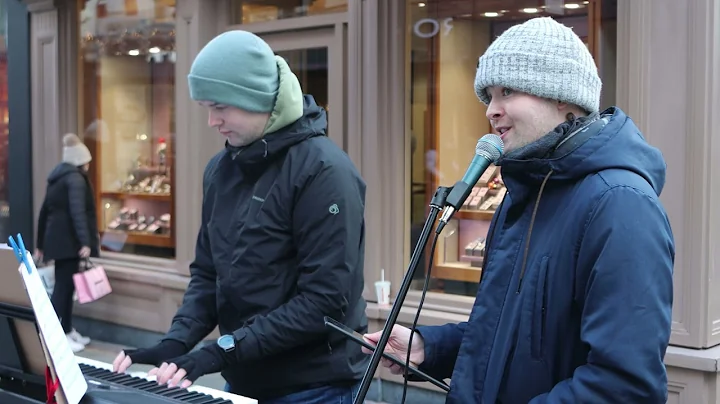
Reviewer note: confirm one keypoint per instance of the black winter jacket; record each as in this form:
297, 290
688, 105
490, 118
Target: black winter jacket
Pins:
68, 220
281, 245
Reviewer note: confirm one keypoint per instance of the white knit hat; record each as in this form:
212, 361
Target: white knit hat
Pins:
74, 151
544, 58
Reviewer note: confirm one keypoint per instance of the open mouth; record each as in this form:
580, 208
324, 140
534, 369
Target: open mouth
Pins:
503, 131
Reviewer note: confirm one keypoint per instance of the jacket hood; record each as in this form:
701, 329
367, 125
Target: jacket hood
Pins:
62, 170
610, 142
312, 123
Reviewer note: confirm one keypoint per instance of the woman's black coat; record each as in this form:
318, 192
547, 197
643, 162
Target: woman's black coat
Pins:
68, 220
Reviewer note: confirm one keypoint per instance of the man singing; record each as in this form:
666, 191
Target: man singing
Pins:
575, 300
280, 246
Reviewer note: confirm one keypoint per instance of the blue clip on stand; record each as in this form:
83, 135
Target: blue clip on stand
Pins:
19, 249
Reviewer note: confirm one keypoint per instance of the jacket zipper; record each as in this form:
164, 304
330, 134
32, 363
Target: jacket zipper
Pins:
530, 229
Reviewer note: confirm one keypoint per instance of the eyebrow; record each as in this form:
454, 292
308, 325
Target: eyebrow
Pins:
211, 104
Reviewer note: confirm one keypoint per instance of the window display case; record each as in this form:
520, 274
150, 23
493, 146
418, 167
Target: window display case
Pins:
138, 208
460, 250
128, 111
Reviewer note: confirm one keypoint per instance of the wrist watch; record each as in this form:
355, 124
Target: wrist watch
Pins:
226, 342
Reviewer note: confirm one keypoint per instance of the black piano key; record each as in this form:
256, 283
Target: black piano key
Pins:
137, 383
94, 372
196, 397
158, 389
117, 378
201, 399
186, 394
175, 393
147, 384
218, 401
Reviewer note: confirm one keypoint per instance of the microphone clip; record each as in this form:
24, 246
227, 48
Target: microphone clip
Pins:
453, 202
438, 200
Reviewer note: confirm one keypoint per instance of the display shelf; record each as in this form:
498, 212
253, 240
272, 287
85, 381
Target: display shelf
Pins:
457, 271
475, 214
152, 240
145, 219
136, 195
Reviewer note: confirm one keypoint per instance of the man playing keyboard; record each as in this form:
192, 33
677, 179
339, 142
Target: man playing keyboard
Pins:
280, 246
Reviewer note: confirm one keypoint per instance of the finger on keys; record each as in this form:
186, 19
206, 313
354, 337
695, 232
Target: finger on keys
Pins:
177, 378
121, 363
186, 383
118, 360
166, 373
158, 371
162, 368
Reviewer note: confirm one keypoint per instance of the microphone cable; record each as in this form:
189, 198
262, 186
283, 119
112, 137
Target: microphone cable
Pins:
417, 315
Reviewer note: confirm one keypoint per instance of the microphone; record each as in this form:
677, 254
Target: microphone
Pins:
488, 149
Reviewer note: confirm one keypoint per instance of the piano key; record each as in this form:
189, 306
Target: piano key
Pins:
200, 399
187, 395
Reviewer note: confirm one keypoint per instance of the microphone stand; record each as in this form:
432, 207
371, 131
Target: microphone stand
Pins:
436, 205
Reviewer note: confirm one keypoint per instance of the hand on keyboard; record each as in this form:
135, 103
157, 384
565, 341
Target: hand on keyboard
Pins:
184, 370
155, 355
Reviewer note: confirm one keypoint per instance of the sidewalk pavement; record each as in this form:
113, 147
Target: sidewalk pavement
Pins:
106, 352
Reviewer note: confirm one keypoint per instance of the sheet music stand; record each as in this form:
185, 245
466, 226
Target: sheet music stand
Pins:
22, 361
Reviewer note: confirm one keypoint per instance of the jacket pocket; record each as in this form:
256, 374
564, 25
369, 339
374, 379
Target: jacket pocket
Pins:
539, 312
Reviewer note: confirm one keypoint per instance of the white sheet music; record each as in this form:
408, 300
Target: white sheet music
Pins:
66, 366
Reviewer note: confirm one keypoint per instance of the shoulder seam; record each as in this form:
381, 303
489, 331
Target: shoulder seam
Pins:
602, 195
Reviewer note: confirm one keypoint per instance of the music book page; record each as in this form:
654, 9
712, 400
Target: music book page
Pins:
62, 357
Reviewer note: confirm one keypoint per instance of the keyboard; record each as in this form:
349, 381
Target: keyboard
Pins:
107, 387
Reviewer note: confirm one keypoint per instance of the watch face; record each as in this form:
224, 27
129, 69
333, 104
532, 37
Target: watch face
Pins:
226, 341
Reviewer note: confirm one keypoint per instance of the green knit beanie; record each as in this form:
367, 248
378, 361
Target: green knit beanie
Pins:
238, 69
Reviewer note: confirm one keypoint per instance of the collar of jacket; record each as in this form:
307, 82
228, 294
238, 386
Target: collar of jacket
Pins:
523, 172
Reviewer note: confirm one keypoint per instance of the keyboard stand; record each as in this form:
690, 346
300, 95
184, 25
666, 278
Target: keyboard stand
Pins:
16, 372
7, 397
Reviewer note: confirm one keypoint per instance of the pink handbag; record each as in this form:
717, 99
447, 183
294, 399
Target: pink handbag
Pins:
91, 283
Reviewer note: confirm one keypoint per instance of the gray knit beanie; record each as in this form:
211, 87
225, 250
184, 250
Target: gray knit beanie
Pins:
74, 151
236, 68
544, 58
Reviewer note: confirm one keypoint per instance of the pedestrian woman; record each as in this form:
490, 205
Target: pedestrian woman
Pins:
67, 229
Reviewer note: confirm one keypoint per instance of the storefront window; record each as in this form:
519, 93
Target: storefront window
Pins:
127, 112
447, 119
4, 122
250, 11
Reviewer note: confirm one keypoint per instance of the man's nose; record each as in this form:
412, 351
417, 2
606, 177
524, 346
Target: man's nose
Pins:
213, 120
494, 111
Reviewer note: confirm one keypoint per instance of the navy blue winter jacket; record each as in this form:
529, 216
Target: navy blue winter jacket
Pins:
574, 304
